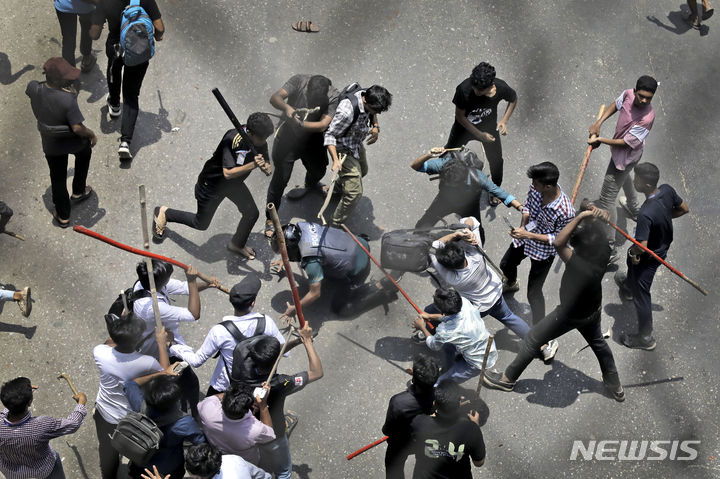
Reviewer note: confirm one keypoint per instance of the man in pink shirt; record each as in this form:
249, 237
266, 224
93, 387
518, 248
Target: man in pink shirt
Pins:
229, 424
626, 146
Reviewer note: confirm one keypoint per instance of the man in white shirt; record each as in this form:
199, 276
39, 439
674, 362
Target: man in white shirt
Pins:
205, 461
462, 266
219, 338
118, 362
461, 335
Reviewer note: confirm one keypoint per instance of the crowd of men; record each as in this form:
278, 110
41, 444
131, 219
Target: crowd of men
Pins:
239, 426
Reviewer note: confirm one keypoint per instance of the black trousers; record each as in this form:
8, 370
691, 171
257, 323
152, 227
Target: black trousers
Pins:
459, 136
536, 279
58, 175
288, 148
395, 457
447, 202
555, 325
129, 79
5, 214
208, 202
68, 30
109, 457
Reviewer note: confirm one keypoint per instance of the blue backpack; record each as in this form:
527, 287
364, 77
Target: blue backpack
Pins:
136, 35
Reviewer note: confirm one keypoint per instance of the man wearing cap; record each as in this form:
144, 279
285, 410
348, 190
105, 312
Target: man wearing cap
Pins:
219, 338
54, 104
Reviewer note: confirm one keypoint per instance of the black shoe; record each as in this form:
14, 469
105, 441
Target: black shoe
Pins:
635, 341
617, 392
493, 380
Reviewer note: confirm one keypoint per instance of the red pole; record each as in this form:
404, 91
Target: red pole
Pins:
652, 253
365, 448
585, 162
140, 252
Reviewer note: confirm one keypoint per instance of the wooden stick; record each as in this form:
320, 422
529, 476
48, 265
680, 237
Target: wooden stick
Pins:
482, 371
139, 252
280, 238
282, 351
70, 383
14, 235
331, 188
652, 253
124, 300
585, 161
148, 261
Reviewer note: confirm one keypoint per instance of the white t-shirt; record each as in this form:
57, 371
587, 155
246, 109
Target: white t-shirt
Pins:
476, 282
116, 368
170, 316
235, 467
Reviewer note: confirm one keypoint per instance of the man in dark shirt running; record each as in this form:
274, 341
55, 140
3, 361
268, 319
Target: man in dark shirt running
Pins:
655, 231
580, 301
223, 176
403, 407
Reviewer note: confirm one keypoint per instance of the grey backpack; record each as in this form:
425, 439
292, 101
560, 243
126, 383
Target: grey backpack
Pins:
138, 437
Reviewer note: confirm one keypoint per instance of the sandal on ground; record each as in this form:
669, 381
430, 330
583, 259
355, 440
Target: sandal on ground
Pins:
25, 303
708, 13
246, 251
494, 201
269, 230
693, 23
307, 27
84, 196
291, 421
157, 232
58, 221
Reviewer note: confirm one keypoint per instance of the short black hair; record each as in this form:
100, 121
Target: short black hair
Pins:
648, 173
237, 400
162, 271
448, 301
452, 255
546, 173
647, 83
426, 371
589, 240
260, 124
162, 392
317, 91
447, 398
378, 98
203, 460
482, 76
16, 395
264, 352
126, 331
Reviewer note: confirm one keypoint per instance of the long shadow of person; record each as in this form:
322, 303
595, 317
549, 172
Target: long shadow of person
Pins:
86, 213
6, 75
95, 83
560, 387
678, 21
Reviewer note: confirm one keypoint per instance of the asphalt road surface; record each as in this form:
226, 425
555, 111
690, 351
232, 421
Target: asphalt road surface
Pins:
564, 58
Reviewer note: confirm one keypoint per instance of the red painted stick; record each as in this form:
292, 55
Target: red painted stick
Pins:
365, 448
584, 164
649, 251
141, 252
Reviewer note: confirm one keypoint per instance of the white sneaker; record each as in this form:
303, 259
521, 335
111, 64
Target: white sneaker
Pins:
113, 111
628, 212
124, 151
549, 352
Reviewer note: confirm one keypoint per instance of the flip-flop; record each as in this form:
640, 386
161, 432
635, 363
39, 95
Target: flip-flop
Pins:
708, 13
58, 221
291, 421
269, 228
305, 27
158, 237
84, 196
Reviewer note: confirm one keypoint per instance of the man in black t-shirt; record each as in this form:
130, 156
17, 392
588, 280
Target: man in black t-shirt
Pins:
223, 176
476, 101
308, 111
403, 408
119, 75
580, 302
445, 441
655, 231
60, 122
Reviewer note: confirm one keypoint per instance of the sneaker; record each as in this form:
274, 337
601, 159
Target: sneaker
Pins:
418, 337
25, 302
124, 151
88, 62
624, 291
628, 212
635, 341
113, 110
548, 354
509, 288
618, 393
493, 380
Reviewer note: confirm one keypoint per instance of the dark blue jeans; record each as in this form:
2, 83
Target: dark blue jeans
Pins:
555, 325
512, 321
639, 280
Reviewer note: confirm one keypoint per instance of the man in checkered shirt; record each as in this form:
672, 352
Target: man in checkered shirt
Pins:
546, 211
344, 138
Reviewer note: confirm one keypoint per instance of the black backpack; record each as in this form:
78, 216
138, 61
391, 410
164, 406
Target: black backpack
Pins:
131, 296
407, 250
138, 437
461, 165
243, 367
349, 93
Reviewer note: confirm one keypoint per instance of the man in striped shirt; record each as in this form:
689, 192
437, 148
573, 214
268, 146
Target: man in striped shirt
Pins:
25, 450
546, 212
